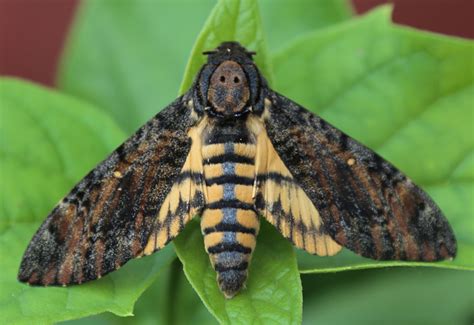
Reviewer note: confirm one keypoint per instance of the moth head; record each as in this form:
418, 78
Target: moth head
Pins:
229, 85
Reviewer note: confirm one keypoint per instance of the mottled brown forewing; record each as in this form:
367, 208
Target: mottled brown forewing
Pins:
109, 215
365, 203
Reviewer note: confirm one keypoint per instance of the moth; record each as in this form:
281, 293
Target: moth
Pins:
231, 150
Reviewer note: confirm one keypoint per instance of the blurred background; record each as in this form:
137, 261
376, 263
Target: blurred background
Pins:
32, 37
32, 32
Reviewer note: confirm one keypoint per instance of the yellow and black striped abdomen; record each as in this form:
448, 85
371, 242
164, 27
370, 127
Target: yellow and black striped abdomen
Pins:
229, 221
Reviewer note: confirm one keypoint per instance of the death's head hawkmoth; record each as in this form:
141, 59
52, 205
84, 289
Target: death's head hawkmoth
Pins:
230, 150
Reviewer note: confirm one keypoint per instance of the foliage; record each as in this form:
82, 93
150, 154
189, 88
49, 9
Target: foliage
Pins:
389, 296
405, 93
48, 143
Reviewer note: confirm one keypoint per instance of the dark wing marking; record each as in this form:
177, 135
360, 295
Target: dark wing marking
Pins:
365, 203
109, 215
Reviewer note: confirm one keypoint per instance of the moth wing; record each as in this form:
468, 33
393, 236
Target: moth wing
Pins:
364, 202
285, 204
115, 213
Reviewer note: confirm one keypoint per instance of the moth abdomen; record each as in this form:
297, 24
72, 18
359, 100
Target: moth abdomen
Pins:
230, 244
229, 221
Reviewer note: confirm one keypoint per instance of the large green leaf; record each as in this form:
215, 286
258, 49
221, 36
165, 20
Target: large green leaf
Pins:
391, 296
409, 95
48, 142
128, 57
273, 291
285, 20
230, 20
161, 304
270, 285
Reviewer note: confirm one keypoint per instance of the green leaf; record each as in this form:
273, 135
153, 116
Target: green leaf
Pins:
265, 299
230, 20
128, 57
182, 296
161, 307
393, 296
285, 20
408, 95
48, 142
273, 292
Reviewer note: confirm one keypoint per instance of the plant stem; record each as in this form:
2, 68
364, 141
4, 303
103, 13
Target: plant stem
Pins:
173, 289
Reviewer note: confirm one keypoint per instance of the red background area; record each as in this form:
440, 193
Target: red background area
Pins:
32, 32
